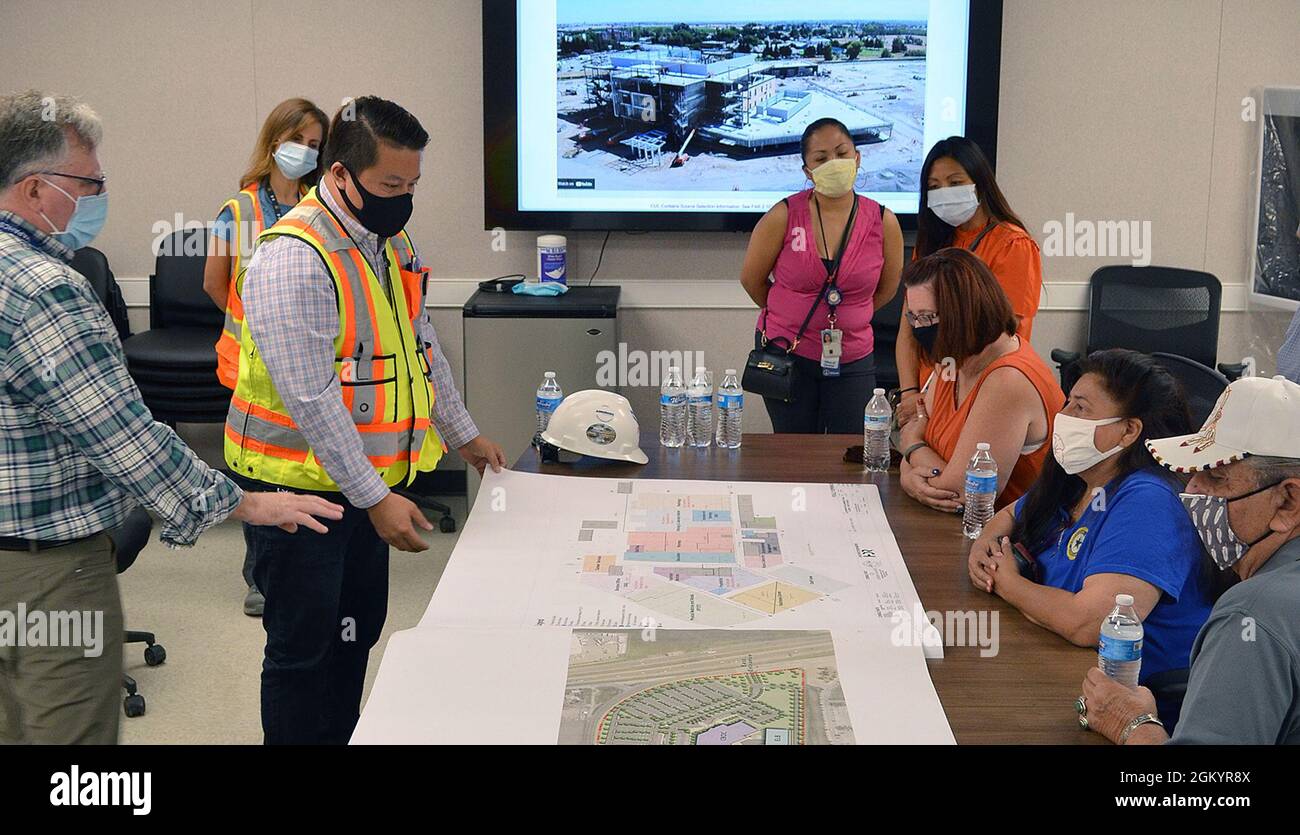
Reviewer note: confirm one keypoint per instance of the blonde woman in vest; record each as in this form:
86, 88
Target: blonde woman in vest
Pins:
283, 166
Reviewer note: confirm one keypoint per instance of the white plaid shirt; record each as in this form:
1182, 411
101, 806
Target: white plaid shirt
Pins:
287, 276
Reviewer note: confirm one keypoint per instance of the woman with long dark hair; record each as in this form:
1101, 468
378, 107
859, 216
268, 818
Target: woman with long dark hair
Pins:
1104, 518
962, 206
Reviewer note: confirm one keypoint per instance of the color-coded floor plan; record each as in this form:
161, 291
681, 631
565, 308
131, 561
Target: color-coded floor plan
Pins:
666, 548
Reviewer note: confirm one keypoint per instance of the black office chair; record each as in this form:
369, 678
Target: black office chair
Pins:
1202, 386
175, 362
1151, 309
420, 493
132, 535
129, 539
93, 266
884, 327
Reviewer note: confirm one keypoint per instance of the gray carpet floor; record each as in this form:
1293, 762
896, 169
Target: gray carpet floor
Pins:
207, 691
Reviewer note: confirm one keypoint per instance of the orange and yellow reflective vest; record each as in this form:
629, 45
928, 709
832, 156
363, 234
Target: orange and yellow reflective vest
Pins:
384, 372
247, 225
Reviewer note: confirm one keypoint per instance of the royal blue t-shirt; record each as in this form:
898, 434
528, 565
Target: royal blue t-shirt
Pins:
1142, 530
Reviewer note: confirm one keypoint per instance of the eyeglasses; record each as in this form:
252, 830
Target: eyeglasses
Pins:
99, 182
922, 320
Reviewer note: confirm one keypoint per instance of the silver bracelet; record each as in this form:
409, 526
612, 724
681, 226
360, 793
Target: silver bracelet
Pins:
1144, 719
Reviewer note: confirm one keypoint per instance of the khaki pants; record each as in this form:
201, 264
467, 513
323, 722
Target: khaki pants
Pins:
66, 694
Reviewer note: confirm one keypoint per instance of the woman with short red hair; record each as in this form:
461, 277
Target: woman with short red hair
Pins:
988, 384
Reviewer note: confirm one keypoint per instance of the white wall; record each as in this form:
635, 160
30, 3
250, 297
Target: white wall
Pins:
1111, 110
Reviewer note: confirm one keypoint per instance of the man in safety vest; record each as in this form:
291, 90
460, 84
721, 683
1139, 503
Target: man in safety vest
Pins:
343, 391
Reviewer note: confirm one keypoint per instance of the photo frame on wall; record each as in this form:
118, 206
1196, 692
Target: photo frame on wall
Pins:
1275, 252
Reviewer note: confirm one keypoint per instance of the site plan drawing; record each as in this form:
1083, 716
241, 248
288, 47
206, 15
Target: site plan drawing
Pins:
688, 687
663, 612
608, 553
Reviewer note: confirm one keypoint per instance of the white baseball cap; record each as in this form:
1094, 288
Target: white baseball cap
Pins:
1254, 416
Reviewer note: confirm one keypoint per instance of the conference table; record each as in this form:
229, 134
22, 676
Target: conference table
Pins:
1024, 694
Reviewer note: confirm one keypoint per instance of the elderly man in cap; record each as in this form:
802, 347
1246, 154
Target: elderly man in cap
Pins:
1244, 499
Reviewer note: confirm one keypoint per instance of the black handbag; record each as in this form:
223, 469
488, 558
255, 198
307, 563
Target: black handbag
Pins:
770, 370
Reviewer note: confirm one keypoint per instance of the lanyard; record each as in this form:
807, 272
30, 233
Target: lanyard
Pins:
19, 232
833, 295
275, 203
993, 224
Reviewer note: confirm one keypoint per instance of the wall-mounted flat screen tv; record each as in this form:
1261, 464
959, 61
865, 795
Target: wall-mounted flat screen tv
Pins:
687, 114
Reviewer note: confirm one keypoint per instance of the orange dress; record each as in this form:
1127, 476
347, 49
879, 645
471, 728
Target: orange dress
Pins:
947, 418
1014, 259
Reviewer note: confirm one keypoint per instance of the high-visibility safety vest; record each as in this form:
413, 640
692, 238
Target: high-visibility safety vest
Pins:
248, 224
384, 373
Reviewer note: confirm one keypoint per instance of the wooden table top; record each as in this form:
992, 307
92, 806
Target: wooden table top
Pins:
1024, 694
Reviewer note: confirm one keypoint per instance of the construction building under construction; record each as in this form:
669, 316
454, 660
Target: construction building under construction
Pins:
667, 94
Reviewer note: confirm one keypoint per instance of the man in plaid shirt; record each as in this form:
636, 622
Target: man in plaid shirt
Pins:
78, 449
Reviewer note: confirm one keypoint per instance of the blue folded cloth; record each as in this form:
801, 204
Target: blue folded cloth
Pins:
544, 288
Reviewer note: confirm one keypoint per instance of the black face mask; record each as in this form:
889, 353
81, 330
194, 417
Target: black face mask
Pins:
385, 216
926, 337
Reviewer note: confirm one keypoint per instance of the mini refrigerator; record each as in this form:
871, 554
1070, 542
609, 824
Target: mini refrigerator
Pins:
511, 341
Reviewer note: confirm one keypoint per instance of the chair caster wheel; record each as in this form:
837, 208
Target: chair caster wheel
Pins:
133, 705
447, 524
155, 655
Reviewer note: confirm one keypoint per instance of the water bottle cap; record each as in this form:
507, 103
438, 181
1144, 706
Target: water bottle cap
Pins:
982, 447
550, 375
699, 369
1123, 600
878, 392
731, 371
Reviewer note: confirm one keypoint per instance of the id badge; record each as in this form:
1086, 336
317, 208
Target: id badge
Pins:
832, 349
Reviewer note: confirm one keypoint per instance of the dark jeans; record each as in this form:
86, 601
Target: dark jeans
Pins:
250, 555
326, 602
825, 405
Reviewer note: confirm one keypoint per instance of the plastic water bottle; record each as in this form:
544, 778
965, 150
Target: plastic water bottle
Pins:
875, 433
981, 491
699, 416
1119, 648
549, 396
731, 405
672, 409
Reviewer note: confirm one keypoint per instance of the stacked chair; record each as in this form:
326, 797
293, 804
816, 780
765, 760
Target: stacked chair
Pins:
175, 362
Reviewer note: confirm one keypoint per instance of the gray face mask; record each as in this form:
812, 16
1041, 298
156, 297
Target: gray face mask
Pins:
1210, 518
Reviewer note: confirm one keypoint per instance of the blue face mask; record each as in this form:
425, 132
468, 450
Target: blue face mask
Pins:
86, 222
295, 161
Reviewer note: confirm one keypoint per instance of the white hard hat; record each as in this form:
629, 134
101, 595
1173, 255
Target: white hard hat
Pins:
597, 423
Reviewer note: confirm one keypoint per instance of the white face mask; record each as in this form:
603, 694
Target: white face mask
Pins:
1074, 443
954, 205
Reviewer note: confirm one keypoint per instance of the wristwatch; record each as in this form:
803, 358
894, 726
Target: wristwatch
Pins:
1146, 718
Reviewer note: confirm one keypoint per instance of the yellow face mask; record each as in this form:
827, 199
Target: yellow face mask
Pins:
835, 178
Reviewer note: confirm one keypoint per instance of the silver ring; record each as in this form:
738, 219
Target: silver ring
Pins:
1081, 708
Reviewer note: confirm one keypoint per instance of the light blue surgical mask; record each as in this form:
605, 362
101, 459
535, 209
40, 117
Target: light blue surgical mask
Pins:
86, 222
295, 160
